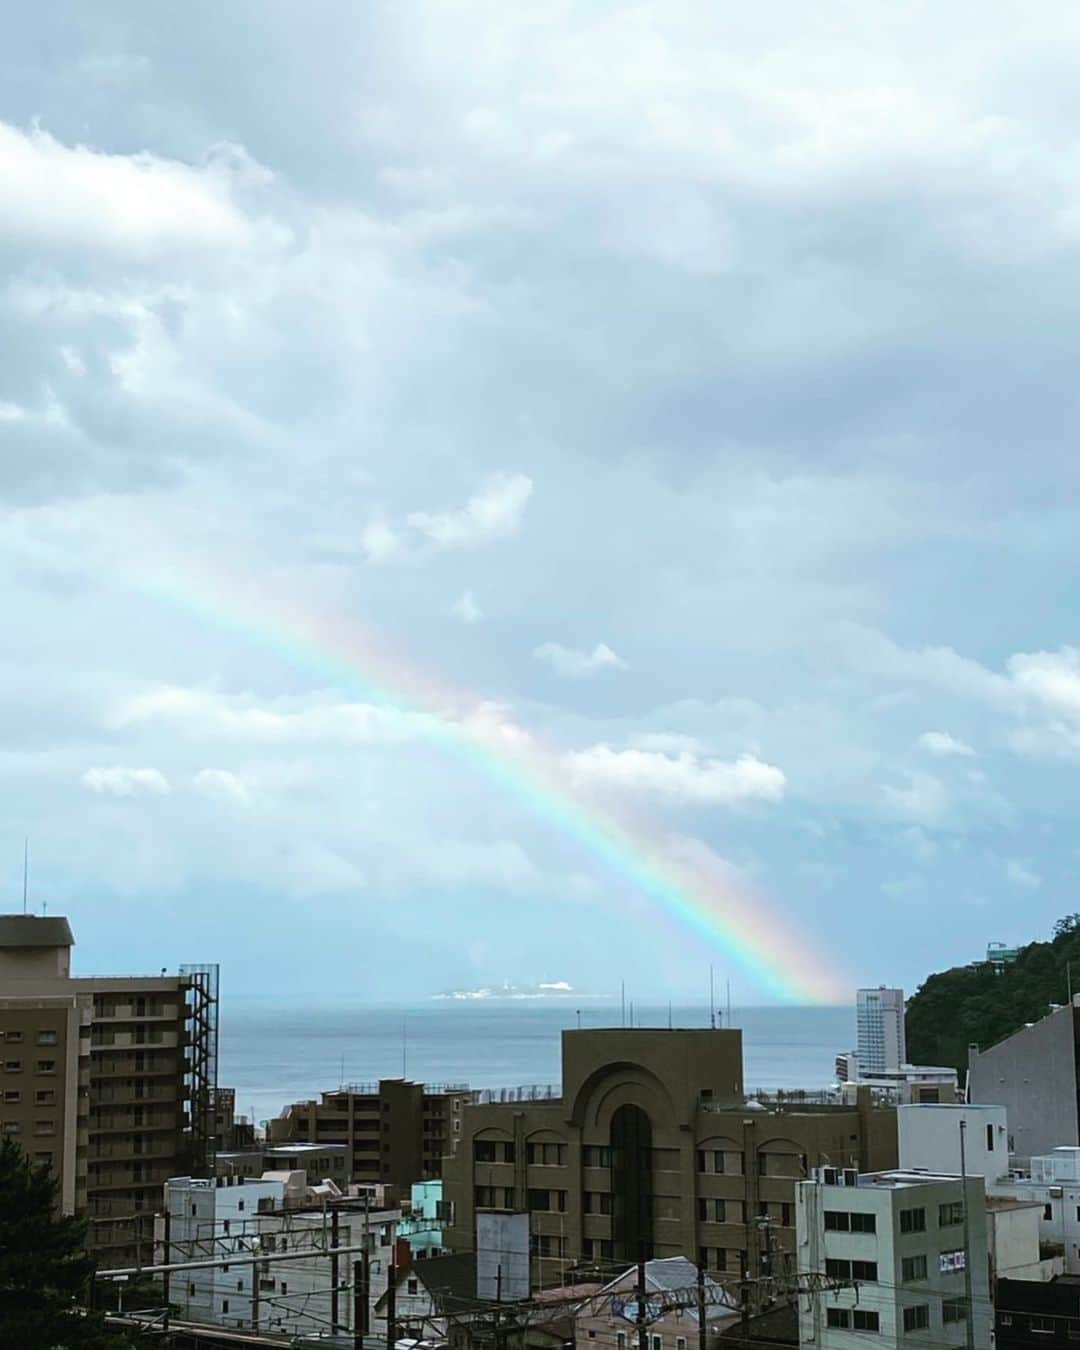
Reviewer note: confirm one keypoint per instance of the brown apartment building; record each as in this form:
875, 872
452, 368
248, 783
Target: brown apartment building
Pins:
109, 1080
396, 1131
652, 1150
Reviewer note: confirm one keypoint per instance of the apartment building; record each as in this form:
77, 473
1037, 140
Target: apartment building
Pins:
897, 1241
396, 1131
881, 1043
110, 1080
652, 1148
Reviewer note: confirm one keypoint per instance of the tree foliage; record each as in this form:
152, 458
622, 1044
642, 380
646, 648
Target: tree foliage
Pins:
44, 1267
981, 1004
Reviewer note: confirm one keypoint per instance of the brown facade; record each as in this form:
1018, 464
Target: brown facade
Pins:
121, 1060
651, 1151
396, 1131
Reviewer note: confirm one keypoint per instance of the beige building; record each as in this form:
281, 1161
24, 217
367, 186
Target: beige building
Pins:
396, 1131
109, 1080
652, 1151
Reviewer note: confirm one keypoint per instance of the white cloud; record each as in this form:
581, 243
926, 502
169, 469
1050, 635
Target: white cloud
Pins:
577, 665
942, 744
466, 608
381, 542
1053, 678
122, 782
81, 196
683, 778
221, 785
924, 800
1019, 874
494, 512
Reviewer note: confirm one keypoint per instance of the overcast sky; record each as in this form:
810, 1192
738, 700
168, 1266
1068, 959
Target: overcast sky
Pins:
689, 386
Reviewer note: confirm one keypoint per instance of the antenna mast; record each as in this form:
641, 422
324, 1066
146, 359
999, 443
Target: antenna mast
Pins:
25, 870
712, 1001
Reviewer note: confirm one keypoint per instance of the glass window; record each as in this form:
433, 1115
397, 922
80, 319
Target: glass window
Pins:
837, 1269
954, 1310
917, 1318
913, 1221
837, 1317
837, 1221
863, 1319
913, 1268
950, 1213
864, 1223
864, 1270
46, 1038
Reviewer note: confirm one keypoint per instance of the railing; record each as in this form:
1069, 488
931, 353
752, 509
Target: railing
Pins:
523, 1092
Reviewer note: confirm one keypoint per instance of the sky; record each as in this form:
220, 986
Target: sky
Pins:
665, 403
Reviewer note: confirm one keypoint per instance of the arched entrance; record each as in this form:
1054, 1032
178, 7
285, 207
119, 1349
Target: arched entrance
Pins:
631, 1184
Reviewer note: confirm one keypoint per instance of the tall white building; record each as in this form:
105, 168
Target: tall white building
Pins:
899, 1238
879, 1024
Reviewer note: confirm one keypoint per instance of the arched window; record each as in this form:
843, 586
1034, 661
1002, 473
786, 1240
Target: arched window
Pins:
631, 1184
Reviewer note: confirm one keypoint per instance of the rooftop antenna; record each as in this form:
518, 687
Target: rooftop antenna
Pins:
729, 1001
25, 869
404, 1048
712, 1001
622, 999
669, 1014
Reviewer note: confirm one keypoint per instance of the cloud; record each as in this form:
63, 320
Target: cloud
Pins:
1051, 678
122, 782
1021, 875
942, 744
571, 664
466, 609
682, 778
495, 512
381, 542
51, 192
221, 785
924, 800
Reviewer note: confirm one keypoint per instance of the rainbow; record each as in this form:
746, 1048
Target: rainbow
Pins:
678, 878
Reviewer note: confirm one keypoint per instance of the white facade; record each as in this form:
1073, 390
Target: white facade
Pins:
879, 1023
928, 1138
1053, 1183
899, 1237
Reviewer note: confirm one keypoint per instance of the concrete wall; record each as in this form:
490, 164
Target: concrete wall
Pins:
1033, 1075
929, 1137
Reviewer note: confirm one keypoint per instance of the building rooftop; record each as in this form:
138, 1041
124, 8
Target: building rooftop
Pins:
897, 1180
33, 930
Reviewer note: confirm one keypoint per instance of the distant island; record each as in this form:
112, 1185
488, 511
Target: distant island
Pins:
545, 989
986, 1001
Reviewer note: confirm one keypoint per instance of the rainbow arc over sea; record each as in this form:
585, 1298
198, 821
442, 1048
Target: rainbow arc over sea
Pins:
679, 879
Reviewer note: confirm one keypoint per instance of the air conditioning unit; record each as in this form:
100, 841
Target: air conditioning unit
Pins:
830, 1176
851, 1176
1056, 1192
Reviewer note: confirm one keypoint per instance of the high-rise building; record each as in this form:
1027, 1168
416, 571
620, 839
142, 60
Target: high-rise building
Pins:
397, 1131
108, 1080
879, 1023
652, 1149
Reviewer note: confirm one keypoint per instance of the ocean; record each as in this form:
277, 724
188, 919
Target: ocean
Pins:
274, 1055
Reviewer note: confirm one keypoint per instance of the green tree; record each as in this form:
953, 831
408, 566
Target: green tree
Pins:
44, 1267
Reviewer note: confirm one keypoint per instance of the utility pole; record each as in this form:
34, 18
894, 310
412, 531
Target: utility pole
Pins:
360, 1301
168, 1258
969, 1304
744, 1298
391, 1306
334, 1272
702, 1331
642, 1333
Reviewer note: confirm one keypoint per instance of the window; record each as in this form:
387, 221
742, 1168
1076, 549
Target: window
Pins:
43, 1159
546, 1155
1048, 1210
13, 1037
620, 1340
837, 1317
44, 1126
680, 1343
483, 1150
913, 1268
413, 1286
864, 1270
837, 1269
711, 1210
13, 1066
46, 1066
785, 1214
954, 1310
656, 1343
240, 1206
864, 1223
917, 1318
989, 1138
12, 1096
597, 1202
913, 1221
1045, 1325
594, 1155
948, 1262
45, 1097
552, 1202
224, 1305
46, 1038
950, 1213
863, 1319
837, 1221
11, 1127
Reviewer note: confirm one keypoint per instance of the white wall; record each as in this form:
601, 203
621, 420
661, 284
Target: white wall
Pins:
928, 1137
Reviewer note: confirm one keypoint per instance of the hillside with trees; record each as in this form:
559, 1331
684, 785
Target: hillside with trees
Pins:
981, 1003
